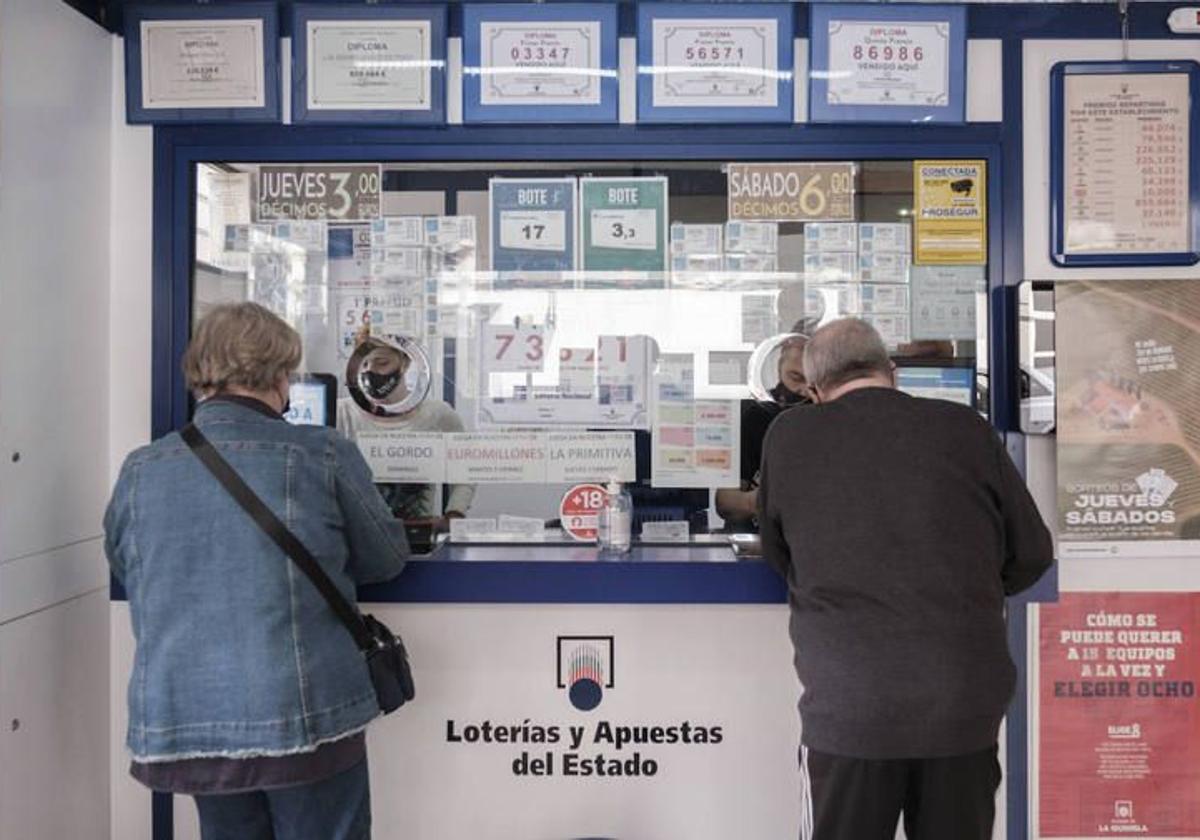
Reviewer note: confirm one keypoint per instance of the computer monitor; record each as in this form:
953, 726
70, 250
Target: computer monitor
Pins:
955, 383
313, 400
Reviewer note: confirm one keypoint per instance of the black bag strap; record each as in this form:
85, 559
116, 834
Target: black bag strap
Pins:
265, 518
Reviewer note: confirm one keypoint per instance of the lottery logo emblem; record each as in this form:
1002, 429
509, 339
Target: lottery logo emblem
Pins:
1157, 486
585, 669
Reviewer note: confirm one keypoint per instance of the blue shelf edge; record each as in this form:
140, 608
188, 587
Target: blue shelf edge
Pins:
595, 582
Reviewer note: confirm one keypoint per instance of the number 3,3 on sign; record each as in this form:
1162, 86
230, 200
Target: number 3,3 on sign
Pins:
514, 349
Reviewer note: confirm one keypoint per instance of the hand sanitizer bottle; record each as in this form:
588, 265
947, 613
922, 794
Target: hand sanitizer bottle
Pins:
615, 527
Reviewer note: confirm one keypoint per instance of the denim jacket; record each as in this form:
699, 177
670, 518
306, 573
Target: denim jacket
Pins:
238, 655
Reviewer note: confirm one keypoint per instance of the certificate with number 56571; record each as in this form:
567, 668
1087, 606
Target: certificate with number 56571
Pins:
715, 63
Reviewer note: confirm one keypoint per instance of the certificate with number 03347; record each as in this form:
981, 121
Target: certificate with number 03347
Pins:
203, 64
540, 62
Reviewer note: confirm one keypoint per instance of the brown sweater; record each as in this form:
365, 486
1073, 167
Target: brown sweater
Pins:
900, 525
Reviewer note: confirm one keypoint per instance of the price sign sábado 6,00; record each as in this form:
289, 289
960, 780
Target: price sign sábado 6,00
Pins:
792, 192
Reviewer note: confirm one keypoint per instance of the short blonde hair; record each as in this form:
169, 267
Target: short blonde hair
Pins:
240, 345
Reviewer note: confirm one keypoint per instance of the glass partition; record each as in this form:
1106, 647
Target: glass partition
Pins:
1036, 351
497, 334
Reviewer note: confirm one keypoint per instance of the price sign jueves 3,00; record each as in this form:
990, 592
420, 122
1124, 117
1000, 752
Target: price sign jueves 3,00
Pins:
792, 192
318, 192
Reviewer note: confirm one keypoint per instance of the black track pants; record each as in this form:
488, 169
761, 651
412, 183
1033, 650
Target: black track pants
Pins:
859, 799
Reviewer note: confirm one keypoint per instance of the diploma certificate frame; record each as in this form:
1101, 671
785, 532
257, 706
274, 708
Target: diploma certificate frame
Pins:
202, 64
400, 49
760, 70
511, 50
1124, 191
878, 63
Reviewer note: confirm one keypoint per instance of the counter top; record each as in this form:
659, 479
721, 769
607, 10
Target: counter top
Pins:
696, 573
558, 574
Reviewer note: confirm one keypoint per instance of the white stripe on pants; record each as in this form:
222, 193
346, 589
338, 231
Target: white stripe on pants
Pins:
806, 805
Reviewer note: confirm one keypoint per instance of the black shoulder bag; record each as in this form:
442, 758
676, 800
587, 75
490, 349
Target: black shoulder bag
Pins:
387, 660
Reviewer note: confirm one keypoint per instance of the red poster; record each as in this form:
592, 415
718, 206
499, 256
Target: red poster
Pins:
1119, 724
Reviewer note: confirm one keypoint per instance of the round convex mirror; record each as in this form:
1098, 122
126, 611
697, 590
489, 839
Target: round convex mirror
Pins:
776, 370
388, 377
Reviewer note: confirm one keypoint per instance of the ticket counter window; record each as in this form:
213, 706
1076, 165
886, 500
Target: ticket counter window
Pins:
496, 334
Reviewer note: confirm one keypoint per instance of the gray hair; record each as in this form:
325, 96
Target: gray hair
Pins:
243, 345
842, 351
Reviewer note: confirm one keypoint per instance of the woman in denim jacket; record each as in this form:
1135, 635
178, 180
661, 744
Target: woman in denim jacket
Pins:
246, 691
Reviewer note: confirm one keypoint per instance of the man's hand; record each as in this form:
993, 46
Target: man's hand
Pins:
438, 524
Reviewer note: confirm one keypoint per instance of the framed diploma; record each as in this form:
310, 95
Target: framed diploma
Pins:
369, 64
715, 62
881, 63
539, 62
213, 63
1124, 181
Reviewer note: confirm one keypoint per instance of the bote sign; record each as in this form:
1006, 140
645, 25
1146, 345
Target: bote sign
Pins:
791, 192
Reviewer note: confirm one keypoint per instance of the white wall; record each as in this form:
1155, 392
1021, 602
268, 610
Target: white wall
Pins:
54, 293
129, 353
54, 154
1178, 573
1039, 57
129, 317
54, 723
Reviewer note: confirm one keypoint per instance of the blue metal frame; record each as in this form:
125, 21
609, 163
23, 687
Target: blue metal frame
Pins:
136, 113
1058, 77
475, 15
1148, 19
436, 17
819, 108
179, 149
782, 13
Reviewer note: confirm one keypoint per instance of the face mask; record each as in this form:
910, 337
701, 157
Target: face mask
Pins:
380, 385
786, 397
